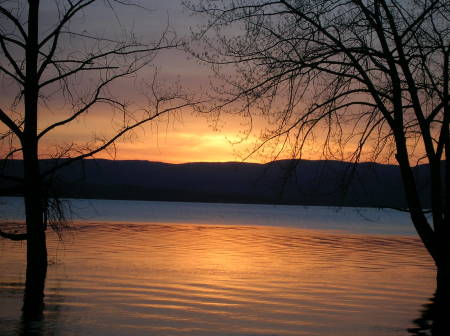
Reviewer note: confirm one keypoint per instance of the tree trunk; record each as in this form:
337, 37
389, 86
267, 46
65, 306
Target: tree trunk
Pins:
440, 325
36, 238
442, 233
443, 281
33, 301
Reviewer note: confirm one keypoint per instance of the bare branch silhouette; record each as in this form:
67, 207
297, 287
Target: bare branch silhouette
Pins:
362, 80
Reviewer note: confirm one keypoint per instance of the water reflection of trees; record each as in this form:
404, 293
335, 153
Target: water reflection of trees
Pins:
432, 320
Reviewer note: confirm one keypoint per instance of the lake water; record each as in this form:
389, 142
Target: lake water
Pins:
157, 268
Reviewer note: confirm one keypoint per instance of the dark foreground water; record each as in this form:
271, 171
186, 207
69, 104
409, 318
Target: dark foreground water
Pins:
175, 278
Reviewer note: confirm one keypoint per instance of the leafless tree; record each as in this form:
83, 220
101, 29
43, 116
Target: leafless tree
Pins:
362, 79
49, 63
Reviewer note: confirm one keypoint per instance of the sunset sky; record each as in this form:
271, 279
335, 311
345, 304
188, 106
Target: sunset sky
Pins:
181, 137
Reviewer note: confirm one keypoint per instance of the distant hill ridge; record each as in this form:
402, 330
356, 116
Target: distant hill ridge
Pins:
287, 181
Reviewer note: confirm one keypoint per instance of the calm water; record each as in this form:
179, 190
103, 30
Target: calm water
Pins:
138, 268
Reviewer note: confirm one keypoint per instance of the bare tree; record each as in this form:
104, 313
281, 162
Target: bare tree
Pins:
360, 79
47, 64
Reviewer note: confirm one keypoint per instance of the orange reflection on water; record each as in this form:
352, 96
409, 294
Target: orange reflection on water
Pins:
182, 279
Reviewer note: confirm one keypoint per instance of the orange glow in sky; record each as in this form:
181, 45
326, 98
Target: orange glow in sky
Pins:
191, 139
182, 138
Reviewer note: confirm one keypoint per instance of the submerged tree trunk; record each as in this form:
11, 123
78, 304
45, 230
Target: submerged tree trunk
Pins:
443, 281
434, 239
440, 324
36, 238
33, 301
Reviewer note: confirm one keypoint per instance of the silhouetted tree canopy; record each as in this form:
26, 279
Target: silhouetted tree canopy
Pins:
58, 69
359, 79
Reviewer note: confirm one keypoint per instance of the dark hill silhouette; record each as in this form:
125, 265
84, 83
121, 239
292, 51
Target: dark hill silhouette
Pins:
287, 181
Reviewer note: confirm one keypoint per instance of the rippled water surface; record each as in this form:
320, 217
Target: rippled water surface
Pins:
165, 278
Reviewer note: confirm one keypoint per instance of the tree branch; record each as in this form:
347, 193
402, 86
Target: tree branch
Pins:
13, 236
111, 140
15, 21
10, 124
